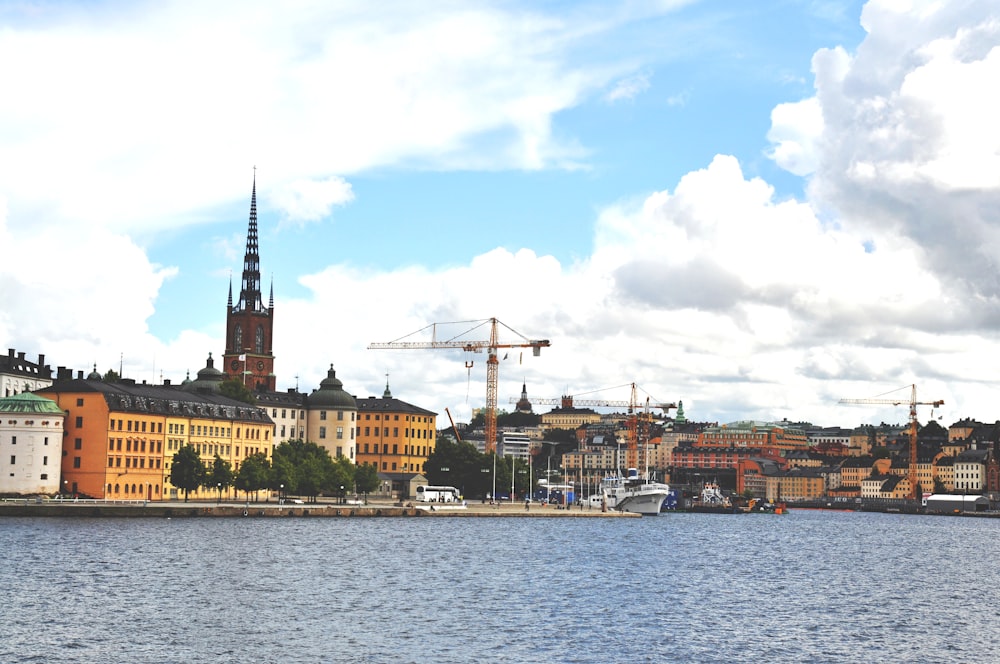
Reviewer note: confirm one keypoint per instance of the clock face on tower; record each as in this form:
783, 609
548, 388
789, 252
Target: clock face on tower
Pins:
260, 366
235, 365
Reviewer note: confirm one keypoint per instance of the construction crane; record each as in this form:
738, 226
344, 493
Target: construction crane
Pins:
878, 401
631, 422
453, 427
459, 342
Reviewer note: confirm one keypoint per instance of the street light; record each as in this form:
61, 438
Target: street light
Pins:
342, 497
281, 494
219, 487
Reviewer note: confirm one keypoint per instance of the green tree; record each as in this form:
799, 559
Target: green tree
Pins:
220, 476
344, 474
235, 389
111, 376
460, 465
254, 474
366, 479
187, 472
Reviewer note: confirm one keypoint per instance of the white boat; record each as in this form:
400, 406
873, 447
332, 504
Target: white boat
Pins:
631, 493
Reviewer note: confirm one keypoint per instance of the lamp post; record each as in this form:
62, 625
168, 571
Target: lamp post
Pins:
281, 494
218, 485
342, 500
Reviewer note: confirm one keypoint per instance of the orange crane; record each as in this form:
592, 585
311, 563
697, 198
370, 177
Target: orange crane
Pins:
491, 346
453, 427
913, 426
569, 401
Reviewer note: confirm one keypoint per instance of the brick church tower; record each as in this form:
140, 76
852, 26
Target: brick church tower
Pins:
249, 326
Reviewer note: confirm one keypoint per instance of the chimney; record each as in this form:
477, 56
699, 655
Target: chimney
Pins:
41, 359
79, 375
20, 356
10, 353
166, 382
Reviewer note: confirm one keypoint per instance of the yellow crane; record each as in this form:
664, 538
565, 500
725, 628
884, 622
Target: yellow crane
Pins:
461, 342
879, 401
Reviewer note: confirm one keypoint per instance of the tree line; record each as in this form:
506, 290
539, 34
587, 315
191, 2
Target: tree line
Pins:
296, 468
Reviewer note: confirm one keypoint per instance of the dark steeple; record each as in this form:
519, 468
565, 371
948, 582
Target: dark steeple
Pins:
250, 298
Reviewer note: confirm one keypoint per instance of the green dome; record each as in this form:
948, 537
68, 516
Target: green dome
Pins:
331, 394
27, 402
209, 379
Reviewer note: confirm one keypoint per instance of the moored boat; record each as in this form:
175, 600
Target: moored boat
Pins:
631, 493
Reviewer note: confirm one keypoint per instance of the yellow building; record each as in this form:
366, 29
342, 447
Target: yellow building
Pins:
120, 437
394, 436
569, 417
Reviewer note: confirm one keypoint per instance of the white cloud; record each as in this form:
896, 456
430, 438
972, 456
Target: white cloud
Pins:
304, 201
795, 127
628, 88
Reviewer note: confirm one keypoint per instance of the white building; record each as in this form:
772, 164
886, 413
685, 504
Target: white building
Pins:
515, 444
19, 375
31, 435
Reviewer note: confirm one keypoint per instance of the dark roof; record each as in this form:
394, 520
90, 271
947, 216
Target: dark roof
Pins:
18, 366
331, 393
128, 397
390, 405
973, 456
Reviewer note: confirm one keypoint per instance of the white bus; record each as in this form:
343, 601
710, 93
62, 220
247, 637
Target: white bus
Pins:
437, 494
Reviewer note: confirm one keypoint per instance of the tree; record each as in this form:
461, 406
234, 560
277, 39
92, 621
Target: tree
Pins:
187, 472
111, 376
254, 473
235, 389
219, 476
366, 479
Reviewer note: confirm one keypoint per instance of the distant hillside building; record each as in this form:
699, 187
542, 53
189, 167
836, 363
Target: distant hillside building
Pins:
19, 375
31, 437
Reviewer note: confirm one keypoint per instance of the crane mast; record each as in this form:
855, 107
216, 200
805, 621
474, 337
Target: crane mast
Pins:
913, 403
490, 345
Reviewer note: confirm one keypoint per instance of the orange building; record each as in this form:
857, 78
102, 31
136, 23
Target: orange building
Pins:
120, 437
393, 435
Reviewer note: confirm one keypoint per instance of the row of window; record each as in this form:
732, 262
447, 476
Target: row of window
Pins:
140, 425
407, 433
340, 433
13, 460
395, 417
133, 462
115, 445
133, 490
13, 440
407, 449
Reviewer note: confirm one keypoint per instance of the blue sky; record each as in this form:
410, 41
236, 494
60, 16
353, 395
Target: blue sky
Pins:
757, 208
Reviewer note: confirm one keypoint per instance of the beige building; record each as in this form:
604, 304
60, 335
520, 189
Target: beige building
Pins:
331, 418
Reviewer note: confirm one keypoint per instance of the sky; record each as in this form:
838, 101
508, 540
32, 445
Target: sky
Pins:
754, 208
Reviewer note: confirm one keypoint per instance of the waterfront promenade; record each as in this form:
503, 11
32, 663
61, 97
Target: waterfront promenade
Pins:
201, 509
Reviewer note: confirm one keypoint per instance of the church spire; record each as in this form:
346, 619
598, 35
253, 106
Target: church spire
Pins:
250, 299
229, 301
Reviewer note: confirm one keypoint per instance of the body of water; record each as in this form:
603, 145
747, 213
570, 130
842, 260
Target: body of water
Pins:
804, 587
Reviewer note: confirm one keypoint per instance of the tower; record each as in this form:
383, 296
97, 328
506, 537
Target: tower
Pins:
249, 326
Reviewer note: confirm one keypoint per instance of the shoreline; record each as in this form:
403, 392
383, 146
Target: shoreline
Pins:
138, 509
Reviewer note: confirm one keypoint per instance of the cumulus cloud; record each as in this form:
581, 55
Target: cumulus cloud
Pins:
908, 143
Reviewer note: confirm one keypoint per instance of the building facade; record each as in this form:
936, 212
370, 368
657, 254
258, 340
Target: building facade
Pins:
121, 437
393, 435
31, 437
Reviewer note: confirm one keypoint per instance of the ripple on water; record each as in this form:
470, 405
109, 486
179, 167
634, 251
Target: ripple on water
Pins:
683, 587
